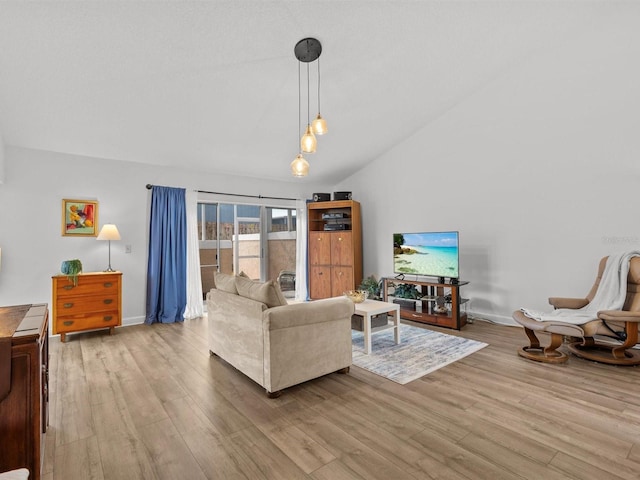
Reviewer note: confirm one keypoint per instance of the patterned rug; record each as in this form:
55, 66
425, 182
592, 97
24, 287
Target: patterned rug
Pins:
421, 351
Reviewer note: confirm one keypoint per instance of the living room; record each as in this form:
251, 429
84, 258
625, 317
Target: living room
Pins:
534, 162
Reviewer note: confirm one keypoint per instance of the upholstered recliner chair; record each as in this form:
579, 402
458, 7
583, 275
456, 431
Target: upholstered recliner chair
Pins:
607, 338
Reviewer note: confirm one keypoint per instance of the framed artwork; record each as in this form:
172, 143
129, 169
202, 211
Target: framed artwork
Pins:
79, 218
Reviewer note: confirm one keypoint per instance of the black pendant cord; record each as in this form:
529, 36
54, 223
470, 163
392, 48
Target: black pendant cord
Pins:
308, 101
299, 108
150, 186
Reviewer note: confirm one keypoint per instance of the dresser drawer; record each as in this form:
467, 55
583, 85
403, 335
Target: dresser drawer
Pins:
74, 305
89, 321
87, 285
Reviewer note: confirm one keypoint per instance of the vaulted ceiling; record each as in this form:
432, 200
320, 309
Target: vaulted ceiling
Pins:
212, 86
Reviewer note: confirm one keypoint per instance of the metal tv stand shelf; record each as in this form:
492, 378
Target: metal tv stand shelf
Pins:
439, 303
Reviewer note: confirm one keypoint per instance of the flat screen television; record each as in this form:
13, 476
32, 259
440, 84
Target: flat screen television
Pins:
430, 254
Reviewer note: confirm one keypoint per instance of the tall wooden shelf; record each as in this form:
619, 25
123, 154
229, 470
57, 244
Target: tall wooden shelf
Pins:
335, 255
438, 303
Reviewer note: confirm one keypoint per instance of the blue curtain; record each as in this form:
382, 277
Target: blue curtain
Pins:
167, 264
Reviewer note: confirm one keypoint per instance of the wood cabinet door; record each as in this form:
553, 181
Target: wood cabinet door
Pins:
341, 248
319, 282
319, 248
341, 280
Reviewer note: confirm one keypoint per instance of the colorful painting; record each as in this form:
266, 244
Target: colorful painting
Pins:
79, 218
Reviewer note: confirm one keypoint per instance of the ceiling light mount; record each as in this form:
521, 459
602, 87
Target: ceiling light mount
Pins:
308, 50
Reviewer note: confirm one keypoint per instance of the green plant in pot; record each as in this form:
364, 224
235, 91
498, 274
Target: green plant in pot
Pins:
71, 268
406, 290
372, 287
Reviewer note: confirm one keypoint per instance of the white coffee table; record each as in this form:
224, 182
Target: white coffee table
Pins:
367, 309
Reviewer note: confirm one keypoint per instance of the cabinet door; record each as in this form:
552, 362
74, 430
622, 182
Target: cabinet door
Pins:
319, 248
342, 248
319, 282
341, 280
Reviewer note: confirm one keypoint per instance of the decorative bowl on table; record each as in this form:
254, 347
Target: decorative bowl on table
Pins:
356, 296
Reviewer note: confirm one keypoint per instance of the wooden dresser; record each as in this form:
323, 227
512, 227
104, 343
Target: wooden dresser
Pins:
24, 383
94, 302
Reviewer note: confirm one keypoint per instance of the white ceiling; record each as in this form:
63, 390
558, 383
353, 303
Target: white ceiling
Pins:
213, 87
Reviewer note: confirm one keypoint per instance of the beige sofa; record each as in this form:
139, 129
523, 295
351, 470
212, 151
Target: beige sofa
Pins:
276, 344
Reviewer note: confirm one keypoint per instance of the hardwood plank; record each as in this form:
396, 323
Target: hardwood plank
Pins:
172, 459
78, 460
150, 403
335, 470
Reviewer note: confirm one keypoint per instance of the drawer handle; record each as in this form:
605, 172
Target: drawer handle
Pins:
107, 301
107, 318
319, 273
68, 287
108, 284
68, 305
68, 323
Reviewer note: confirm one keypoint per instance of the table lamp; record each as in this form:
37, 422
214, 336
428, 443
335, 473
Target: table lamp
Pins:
109, 232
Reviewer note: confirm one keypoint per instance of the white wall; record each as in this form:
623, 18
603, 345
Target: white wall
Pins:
30, 218
1, 159
539, 171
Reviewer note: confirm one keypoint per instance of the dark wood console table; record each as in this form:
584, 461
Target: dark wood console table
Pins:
24, 377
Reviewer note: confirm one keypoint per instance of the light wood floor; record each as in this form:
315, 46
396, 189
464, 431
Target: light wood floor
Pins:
150, 403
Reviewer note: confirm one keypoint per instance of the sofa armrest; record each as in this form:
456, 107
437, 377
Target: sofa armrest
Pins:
307, 313
574, 303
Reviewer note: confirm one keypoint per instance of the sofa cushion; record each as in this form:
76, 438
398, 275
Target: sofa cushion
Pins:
268, 292
225, 282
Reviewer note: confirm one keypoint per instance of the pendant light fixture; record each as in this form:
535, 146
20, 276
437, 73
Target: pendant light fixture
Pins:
306, 51
319, 124
308, 142
299, 166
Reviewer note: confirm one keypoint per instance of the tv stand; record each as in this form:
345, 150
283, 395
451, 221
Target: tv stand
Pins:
439, 302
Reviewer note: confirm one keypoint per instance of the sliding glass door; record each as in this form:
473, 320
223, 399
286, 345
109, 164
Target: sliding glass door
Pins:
255, 239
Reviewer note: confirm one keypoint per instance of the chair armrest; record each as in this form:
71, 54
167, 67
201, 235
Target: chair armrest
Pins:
619, 316
573, 303
307, 313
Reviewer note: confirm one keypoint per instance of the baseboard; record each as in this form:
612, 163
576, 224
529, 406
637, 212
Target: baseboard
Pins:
492, 318
126, 322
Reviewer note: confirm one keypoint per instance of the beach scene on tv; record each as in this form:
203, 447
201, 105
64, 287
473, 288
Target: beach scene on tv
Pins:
433, 254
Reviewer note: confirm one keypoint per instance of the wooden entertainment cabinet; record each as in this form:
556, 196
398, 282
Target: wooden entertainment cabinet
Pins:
335, 248
432, 295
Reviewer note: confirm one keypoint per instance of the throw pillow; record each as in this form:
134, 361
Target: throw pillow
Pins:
225, 282
268, 292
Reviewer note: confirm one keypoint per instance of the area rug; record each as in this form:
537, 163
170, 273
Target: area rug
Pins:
421, 351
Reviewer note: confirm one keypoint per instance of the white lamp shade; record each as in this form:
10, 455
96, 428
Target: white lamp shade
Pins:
109, 232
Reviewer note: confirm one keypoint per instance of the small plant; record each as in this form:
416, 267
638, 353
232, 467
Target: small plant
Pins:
406, 290
71, 268
372, 287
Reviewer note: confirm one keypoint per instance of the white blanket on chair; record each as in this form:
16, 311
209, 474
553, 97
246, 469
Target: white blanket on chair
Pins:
610, 295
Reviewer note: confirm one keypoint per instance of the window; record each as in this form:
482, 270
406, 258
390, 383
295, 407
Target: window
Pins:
234, 238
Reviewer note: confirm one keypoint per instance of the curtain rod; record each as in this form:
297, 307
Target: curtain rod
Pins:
149, 187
